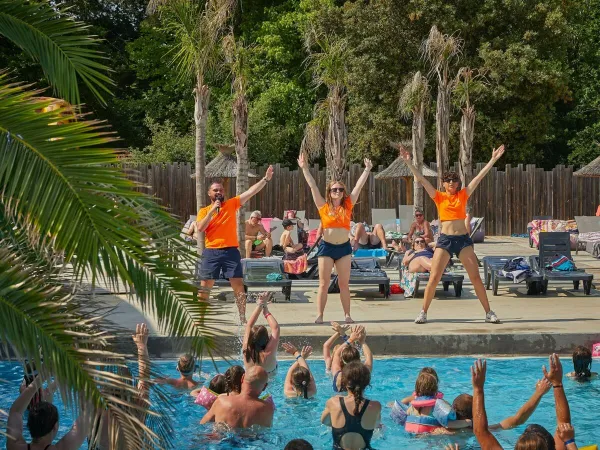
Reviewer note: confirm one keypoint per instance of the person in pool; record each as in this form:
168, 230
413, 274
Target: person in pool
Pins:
246, 409
258, 348
582, 364
233, 380
348, 352
352, 418
335, 211
454, 238
186, 367
418, 260
299, 381
217, 385
43, 423
339, 332
29, 374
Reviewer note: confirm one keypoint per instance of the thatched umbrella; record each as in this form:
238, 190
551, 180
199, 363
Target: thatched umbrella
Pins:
399, 169
224, 166
591, 170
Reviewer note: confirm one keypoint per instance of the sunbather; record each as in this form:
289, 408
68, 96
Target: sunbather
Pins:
418, 260
257, 237
419, 228
367, 238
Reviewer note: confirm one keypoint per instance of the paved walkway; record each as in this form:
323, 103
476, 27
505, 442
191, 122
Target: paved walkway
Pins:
561, 312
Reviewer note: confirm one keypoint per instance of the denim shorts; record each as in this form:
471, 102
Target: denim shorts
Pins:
334, 251
215, 260
453, 244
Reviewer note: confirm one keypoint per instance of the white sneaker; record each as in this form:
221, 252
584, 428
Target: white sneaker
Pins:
421, 318
491, 317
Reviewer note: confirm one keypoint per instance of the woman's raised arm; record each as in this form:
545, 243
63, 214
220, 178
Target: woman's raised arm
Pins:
416, 171
361, 181
496, 154
314, 189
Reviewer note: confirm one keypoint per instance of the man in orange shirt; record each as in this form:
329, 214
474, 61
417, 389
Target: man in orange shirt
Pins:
221, 253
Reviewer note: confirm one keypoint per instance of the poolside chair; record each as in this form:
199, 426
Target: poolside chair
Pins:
256, 271
552, 246
448, 278
406, 215
589, 234
365, 271
385, 217
492, 265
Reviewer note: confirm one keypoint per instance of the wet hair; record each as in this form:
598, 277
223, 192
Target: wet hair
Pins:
257, 342
218, 384
186, 364
426, 384
233, 379
531, 441
431, 371
298, 444
42, 419
349, 354
356, 377
463, 406
301, 379
328, 198
582, 362
539, 430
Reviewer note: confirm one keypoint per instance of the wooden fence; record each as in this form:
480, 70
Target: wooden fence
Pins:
507, 199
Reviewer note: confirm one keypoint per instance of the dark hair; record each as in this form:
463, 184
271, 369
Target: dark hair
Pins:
286, 223
356, 377
218, 384
349, 354
301, 379
582, 362
29, 374
426, 384
539, 430
257, 342
298, 444
531, 441
186, 364
450, 175
42, 418
233, 379
463, 406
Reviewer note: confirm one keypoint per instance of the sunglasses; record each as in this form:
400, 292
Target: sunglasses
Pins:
337, 189
418, 215
419, 241
450, 180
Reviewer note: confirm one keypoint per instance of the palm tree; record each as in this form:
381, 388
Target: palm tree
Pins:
63, 201
467, 85
235, 55
329, 66
440, 50
414, 101
197, 27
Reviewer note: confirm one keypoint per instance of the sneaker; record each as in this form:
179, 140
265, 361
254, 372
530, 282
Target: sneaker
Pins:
422, 317
491, 317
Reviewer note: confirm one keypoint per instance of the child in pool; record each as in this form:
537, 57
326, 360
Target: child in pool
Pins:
582, 364
340, 332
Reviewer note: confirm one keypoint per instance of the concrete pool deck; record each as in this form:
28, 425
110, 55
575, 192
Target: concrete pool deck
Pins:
531, 325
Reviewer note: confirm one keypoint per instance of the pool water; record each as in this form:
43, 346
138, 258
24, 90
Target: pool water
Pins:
510, 382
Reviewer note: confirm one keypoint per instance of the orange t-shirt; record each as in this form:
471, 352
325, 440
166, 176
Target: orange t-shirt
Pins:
336, 217
222, 228
451, 207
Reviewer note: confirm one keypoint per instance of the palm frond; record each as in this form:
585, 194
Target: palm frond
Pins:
62, 46
415, 95
314, 131
440, 49
328, 58
468, 85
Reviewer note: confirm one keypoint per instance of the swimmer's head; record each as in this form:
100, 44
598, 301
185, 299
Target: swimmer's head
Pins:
186, 365
349, 354
301, 380
451, 182
233, 379
426, 384
356, 377
544, 439
256, 378
531, 441
463, 406
43, 420
298, 444
582, 362
257, 342
218, 384
336, 191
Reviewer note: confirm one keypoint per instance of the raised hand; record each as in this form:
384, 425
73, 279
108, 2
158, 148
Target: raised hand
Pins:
339, 329
355, 334
289, 348
555, 375
302, 161
264, 298
565, 431
269, 173
451, 447
306, 351
404, 154
368, 164
141, 335
496, 154
362, 336
543, 386
478, 371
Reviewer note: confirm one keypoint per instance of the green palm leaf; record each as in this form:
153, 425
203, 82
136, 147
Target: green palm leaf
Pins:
60, 44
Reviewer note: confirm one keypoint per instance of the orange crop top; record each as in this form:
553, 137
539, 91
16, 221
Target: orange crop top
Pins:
451, 207
336, 217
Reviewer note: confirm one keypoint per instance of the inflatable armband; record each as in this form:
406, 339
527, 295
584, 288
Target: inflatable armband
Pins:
443, 412
596, 350
206, 398
398, 413
421, 424
589, 447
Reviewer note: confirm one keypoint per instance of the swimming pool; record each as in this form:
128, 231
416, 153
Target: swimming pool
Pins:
507, 379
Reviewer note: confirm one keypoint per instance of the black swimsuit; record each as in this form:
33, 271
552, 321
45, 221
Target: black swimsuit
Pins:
45, 448
352, 425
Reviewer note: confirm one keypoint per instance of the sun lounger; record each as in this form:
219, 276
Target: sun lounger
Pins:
365, 271
256, 271
491, 274
553, 245
448, 278
589, 234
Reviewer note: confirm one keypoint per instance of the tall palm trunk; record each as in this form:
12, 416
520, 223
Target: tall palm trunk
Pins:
336, 138
442, 125
467, 130
418, 140
202, 98
240, 133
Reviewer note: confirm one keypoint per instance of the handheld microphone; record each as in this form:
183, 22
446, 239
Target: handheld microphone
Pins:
219, 198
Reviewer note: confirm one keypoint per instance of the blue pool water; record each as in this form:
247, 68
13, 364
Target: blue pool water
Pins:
510, 382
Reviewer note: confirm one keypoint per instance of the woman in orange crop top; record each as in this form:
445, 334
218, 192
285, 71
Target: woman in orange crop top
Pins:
454, 237
335, 211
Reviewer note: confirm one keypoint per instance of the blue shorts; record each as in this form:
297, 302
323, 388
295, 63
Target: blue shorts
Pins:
334, 251
453, 244
215, 260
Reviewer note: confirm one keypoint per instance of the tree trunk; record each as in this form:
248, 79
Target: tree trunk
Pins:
336, 137
442, 125
418, 140
467, 130
202, 98
240, 134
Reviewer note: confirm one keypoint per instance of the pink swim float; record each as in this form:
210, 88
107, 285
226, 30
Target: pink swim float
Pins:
596, 350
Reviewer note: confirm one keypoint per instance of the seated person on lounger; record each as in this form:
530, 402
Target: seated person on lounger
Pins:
286, 241
419, 228
362, 236
419, 258
257, 237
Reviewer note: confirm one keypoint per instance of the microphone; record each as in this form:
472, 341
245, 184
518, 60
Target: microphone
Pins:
219, 198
